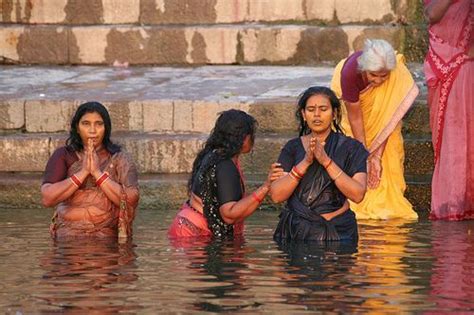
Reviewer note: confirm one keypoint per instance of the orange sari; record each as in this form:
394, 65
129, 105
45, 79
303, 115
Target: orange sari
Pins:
383, 108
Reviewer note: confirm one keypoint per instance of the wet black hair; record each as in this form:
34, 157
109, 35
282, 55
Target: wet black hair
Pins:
227, 137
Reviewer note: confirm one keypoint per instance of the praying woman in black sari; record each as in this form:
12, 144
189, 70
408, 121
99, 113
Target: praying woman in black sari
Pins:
325, 168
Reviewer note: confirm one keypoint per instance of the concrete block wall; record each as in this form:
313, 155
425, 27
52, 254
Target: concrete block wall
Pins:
195, 32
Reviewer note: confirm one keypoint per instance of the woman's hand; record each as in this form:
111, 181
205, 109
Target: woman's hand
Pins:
276, 171
93, 159
309, 156
374, 171
318, 152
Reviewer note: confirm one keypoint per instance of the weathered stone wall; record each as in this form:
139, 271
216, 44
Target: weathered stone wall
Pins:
194, 32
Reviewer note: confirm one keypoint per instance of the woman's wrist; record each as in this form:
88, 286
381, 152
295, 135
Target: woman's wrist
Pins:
82, 175
303, 166
259, 194
97, 174
265, 188
376, 157
327, 163
102, 179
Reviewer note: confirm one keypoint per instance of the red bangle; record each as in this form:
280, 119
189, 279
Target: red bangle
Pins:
330, 161
75, 180
298, 172
102, 178
255, 197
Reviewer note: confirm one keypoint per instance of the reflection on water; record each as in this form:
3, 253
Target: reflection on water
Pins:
452, 281
88, 275
396, 267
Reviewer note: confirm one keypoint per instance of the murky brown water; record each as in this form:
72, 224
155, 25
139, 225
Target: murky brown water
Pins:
397, 268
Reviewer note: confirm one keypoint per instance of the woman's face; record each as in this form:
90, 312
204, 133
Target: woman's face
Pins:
318, 113
91, 126
376, 78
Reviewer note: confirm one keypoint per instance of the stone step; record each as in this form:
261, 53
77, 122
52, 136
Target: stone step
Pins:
175, 116
175, 153
150, 12
168, 100
289, 44
162, 191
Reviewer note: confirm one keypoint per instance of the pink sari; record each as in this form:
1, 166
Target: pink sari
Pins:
192, 223
450, 77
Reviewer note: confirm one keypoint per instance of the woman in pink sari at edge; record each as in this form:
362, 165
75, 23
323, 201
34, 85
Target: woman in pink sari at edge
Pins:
449, 69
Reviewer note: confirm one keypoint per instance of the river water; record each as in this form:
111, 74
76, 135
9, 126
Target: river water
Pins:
397, 267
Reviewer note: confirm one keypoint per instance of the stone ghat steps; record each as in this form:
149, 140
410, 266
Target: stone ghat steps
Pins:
175, 116
175, 153
221, 44
159, 191
152, 12
168, 100
162, 116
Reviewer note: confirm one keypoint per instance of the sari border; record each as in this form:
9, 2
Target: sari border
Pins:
396, 118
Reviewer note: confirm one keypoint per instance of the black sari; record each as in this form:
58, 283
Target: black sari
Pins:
317, 194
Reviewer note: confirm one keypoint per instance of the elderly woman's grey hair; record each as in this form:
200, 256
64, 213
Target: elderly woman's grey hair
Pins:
377, 55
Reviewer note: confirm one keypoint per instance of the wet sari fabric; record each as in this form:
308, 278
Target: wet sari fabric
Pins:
317, 194
450, 77
88, 212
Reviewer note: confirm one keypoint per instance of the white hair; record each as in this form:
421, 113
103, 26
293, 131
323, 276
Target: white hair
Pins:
377, 55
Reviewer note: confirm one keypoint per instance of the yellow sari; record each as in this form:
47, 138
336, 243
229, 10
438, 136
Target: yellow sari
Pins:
383, 108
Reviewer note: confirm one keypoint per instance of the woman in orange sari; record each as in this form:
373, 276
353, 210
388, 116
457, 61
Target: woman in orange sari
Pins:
377, 90
449, 69
91, 181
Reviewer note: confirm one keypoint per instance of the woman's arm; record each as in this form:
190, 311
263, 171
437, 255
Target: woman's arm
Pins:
236, 211
374, 166
112, 189
284, 187
354, 114
353, 187
436, 10
52, 194
56, 190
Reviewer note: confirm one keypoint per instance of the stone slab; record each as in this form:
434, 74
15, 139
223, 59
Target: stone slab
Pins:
158, 12
12, 114
287, 44
23, 153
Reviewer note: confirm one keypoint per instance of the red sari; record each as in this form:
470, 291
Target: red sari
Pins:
450, 76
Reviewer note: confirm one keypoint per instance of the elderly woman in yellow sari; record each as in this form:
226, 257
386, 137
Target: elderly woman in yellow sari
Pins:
377, 90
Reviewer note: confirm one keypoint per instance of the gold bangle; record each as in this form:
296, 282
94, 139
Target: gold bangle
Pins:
337, 176
293, 176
